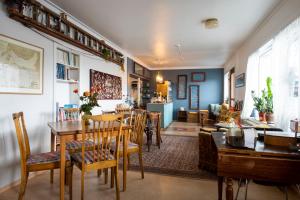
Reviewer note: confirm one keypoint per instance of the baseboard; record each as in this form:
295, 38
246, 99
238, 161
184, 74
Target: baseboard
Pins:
17, 182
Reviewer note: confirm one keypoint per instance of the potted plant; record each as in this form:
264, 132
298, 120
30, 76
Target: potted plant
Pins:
88, 101
269, 101
260, 104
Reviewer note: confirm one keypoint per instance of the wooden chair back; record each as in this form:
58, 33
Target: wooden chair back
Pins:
22, 136
155, 118
138, 126
105, 132
70, 114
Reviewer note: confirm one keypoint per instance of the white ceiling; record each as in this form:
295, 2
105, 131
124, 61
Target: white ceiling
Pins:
150, 29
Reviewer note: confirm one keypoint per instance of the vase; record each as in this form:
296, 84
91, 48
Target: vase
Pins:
270, 118
87, 122
262, 116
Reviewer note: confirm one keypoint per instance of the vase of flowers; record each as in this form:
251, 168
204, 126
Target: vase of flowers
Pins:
88, 101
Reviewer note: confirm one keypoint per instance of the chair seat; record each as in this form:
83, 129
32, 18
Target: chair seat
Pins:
43, 158
130, 146
76, 145
89, 157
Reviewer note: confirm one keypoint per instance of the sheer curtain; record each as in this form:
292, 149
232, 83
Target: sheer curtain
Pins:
286, 65
284, 68
251, 84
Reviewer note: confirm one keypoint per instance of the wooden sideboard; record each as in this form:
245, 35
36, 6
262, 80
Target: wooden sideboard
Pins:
265, 163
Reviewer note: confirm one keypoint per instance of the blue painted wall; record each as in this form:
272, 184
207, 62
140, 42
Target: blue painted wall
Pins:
211, 91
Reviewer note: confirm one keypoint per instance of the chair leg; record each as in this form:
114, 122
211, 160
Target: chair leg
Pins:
51, 176
286, 192
70, 180
117, 182
128, 159
112, 177
246, 193
106, 176
24, 179
82, 185
141, 162
99, 172
238, 189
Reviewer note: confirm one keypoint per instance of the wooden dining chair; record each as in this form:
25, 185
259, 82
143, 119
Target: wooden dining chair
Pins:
155, 118
135, 139
36, 162
105, 132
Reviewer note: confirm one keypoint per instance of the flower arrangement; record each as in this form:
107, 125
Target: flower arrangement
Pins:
88, 101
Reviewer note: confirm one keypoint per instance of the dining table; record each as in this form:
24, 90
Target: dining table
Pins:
66, 129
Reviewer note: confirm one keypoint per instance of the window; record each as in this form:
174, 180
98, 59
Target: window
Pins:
280, 60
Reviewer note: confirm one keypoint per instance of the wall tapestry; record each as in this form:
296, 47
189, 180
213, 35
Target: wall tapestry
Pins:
21, 67
108, 86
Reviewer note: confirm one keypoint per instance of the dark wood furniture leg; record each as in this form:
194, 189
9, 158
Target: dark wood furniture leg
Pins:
229, 189
52, 150
220, 187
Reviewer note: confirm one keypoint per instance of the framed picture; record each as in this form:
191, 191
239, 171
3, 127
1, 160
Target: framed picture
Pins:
108, 86
240, 80
21, 67
138, 69
198, 76
194, 97
182, 86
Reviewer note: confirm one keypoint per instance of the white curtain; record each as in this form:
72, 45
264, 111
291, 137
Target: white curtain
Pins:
251, 84
286, 65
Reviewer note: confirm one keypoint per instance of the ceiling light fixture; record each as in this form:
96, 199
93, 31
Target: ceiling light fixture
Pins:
178, 46
211, 23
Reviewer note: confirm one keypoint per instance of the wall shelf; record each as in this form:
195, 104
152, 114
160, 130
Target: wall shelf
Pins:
67, 81
33, 14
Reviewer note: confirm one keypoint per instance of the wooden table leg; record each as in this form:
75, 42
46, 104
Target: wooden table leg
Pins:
52, 149
62, 166
229, 189
125, 138
220, 187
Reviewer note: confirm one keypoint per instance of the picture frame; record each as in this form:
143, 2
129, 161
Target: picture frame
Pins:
194, 96
21, 67
138, 69
240, 80
181, 86
198, 76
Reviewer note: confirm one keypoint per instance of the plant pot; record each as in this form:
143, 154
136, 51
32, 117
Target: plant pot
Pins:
262, 116
270, 118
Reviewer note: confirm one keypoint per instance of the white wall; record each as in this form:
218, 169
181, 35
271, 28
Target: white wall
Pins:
39, 109
282, 15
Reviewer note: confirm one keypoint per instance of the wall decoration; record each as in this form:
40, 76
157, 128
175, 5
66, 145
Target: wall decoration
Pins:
240, 80
182, 86
198, 76
194, 97
138, 69
21, 67
108, 86
35, 15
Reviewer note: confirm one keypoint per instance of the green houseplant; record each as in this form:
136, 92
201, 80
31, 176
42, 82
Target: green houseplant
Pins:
269, 101
260, 104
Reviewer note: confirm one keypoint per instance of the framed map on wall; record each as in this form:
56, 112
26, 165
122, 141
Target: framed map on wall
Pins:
21, 67
108, 86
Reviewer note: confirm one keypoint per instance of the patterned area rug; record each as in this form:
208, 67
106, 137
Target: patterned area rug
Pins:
177, 156
182, 129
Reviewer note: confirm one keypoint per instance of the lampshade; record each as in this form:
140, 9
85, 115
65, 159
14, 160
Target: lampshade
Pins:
159, 78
